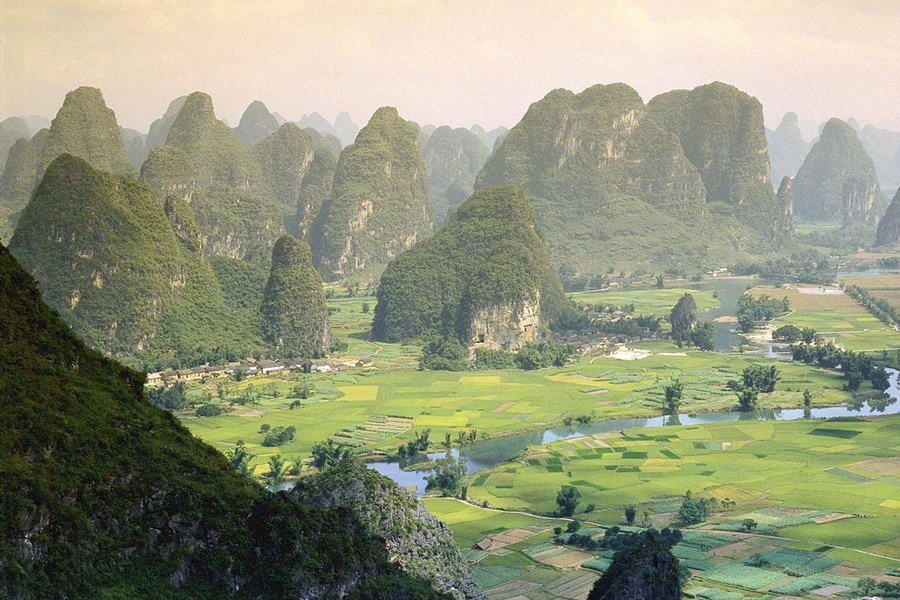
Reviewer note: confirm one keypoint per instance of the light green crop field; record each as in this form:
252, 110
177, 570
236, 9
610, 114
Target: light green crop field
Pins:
825, 494
649, 300
834, 315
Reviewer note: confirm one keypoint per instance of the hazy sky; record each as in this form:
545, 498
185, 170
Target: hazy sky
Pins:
446, 62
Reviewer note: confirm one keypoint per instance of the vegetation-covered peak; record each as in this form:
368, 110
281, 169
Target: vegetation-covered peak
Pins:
379, 204
217, 152
645, 571
85, 127
722, 133
837, 181
293, 304
453, 158
489, 255
256, 123
284, 157
169, 170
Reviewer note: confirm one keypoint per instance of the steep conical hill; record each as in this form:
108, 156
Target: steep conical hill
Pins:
787, 147
722, 133
86, 128
217, 152
17, 181
284, 157
170, 171
256, 123
314, 190
293, 306
379, 205
105, 496
837, 181
889, 225
488, 270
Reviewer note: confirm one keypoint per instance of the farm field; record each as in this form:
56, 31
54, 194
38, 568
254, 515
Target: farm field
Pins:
825, 495
493, 402
647, 301
835, 315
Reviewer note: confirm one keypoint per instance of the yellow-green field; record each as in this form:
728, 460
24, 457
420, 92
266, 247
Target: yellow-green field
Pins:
835, 315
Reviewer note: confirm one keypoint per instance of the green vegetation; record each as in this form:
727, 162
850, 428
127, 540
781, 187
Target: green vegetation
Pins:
489, 254
170, 171
378, 206
752, 310
293, 304
284, 157
113, 468
256, 123
645, 569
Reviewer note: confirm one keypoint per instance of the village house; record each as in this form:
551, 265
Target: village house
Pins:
270, 366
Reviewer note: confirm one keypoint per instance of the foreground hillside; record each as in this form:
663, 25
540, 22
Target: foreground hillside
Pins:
104, 496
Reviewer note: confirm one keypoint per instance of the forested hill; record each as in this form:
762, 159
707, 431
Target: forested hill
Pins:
610, 186
104, 496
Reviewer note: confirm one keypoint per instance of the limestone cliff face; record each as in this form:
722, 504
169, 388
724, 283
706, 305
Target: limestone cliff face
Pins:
837, 181
314, 189
453, 158
379, 205
607, 182
414, 539
507, 326
722, 133
889, 225
284, 157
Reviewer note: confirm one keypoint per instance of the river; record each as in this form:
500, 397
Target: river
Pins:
489, 453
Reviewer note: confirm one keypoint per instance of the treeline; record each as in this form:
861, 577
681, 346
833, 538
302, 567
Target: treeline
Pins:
613, 539
856, 368
804, 268
879, 307
751, 310
448, 354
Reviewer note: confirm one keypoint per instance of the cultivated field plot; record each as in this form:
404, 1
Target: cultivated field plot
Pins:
647, 301
824, 495
377, 428
835, 315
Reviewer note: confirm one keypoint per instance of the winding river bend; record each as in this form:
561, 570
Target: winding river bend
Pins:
489, 453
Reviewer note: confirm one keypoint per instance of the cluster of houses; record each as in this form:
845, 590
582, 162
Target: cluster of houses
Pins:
252, 368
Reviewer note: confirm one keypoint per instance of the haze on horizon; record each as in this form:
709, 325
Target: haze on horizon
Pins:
444, 62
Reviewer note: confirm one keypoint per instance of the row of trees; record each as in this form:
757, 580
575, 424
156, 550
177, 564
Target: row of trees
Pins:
879, 307
857, 367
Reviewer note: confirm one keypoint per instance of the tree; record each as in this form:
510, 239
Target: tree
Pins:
748, 525
704, 336
276, 470
239, 458
673, 393
692, 510
682, 318
760, 377
660, 282
365, 307
447, 475
865, 584
567, 499
630, 513
330, 454
809, 335
807, 398
747, 399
